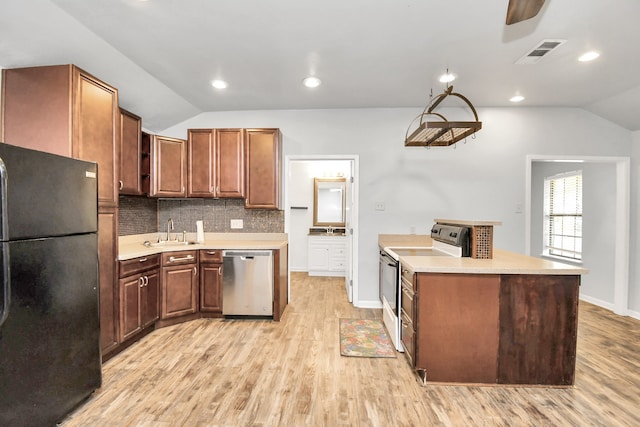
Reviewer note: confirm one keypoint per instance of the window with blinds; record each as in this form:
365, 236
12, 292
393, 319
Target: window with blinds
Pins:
563, 215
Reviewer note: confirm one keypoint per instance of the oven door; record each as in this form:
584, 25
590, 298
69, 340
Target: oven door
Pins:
389, 282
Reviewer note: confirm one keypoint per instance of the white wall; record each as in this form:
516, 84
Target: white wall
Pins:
483, 178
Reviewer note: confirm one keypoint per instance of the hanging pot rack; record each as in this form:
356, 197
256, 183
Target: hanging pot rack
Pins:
441, 133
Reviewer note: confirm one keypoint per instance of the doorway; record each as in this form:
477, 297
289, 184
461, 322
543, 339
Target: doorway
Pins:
298, 204
620, 221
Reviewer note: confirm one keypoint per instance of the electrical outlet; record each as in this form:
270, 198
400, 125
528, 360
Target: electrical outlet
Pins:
380, 206
518, 207
237, 223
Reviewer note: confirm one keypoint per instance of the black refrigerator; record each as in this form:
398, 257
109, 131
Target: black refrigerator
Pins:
49, 320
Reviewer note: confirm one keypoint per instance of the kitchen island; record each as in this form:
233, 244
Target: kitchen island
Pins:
511, 319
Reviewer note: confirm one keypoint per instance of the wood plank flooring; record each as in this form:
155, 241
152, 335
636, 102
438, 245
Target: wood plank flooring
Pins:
212, 372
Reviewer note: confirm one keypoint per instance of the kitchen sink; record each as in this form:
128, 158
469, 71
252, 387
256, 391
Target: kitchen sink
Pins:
168, 243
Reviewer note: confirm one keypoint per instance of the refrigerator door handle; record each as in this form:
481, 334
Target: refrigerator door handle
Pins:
4, 237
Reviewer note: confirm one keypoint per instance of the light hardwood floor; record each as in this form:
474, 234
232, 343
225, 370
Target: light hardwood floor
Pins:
262, 373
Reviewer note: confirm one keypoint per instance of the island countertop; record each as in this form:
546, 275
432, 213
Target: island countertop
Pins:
503, 262
133, 246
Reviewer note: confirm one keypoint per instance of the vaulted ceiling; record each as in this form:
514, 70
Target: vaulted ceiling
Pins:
163, 54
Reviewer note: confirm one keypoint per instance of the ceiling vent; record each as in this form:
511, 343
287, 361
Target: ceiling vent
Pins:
540, 50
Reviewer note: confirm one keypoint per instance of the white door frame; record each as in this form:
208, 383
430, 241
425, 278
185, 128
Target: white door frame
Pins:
622, 220
355, 161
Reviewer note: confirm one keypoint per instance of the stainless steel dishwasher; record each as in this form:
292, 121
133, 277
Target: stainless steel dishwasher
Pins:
247, 283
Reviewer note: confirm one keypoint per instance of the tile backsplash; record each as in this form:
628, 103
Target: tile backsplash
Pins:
139, 215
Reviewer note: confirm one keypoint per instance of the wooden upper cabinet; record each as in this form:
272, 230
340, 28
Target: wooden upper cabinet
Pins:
229, 149
64, 110
216, 163
169, 170
130, 152
263, 168
200, 163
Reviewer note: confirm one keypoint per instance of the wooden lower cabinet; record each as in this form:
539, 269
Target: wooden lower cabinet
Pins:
179, 284
457, 327
538, 329
280, 281
139, 289
211, 281
490, 328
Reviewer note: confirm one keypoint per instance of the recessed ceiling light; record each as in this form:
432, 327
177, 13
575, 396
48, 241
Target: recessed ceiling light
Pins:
447, 78
219, 84
589, 56
517, 98
311, 82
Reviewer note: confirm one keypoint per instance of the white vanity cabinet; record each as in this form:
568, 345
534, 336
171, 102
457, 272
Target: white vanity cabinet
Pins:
327, 255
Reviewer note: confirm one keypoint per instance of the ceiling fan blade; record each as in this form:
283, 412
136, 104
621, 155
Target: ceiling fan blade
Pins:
521, 10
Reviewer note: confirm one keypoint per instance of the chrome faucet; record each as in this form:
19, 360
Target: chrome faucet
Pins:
169, 228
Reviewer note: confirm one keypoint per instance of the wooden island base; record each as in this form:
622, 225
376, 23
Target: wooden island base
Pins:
501, 329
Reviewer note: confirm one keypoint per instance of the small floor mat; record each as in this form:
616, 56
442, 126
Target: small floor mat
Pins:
364, 338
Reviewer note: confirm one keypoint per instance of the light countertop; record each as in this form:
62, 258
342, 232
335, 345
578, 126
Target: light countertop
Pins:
503, 262
132, 246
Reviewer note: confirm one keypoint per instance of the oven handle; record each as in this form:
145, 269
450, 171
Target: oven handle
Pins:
388, 259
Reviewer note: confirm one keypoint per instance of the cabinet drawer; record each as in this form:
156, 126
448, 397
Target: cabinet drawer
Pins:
179, 258
211, 255
407, 276
406, 301
137, 265
407, 336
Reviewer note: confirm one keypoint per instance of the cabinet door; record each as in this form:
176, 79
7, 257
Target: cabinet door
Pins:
107, 251
96, 133
211, 288
130, 152
151, 298
169, 167
201, 163
26, 120
130, 304
318, 257
229, 149
262, 168
179, 290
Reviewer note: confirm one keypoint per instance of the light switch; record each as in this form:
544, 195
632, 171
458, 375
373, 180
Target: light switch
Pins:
237, 223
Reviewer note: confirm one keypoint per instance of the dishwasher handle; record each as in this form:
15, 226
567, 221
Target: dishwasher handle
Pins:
245, 254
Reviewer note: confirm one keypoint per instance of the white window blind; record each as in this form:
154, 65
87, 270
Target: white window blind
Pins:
563, 215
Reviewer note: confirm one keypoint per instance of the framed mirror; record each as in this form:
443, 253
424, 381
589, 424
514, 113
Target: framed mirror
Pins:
329, 202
